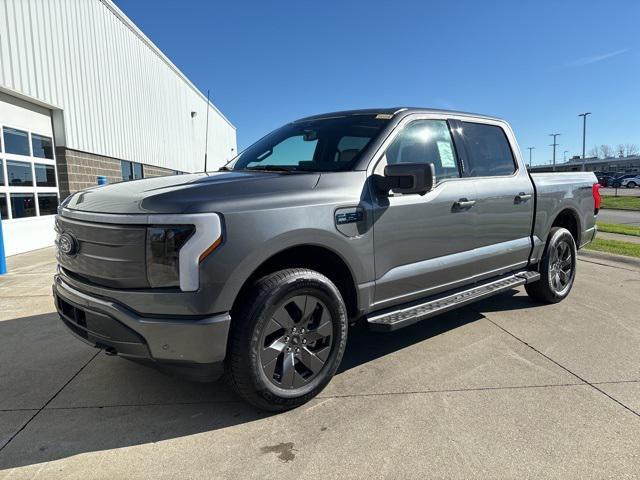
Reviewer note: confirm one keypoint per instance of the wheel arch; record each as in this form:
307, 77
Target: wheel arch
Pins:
568, 218
315, 257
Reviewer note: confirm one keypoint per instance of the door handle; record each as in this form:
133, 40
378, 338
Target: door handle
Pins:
522, 197
463, 204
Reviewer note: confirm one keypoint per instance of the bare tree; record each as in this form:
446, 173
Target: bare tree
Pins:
631, 149
620, 149
594, 152
606, 151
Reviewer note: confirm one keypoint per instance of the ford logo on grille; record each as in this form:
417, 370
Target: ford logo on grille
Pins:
67, 244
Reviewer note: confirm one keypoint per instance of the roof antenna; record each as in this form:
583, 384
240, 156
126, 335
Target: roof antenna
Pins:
206, 135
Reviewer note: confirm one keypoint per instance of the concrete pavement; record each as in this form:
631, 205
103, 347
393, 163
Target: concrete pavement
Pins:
505, 388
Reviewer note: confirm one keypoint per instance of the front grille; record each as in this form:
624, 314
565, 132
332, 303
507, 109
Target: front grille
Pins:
106, 255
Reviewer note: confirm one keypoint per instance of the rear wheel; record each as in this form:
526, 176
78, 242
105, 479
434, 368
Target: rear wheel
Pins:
287, 340
557, 268
631, 185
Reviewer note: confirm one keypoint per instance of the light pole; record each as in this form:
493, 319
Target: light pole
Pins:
530, 150
584, 138
554, 145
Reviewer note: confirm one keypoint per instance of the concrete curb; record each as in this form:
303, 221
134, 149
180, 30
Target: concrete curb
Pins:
612, 259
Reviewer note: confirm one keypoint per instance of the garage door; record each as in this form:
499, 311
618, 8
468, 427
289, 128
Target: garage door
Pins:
28, 179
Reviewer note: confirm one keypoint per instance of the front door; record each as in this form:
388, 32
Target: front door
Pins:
423, 244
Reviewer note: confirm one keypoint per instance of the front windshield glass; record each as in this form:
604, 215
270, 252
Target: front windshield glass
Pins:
322, 145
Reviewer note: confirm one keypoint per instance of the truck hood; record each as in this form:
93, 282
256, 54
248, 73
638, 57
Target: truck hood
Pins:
193, 193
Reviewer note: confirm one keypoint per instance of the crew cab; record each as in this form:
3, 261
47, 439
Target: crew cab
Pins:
384, 217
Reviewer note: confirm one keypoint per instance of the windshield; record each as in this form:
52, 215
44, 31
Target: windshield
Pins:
321, 145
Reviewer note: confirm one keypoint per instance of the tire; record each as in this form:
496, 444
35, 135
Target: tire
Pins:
557, 268
631, 185
287, 339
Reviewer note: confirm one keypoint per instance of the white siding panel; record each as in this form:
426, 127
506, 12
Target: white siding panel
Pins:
119, 95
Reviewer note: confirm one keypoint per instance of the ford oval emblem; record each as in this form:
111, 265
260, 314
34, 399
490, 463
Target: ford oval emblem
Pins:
67, 244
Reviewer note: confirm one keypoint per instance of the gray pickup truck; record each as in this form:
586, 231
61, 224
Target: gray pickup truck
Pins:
382, 217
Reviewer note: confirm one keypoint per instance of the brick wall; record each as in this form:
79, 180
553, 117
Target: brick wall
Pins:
79, 170
151, 171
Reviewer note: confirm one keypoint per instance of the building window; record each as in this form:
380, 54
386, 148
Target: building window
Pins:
22, 205
131, 170
19, 174
42, 146
1, 173
16, 141
48, 203
45, 175
3, 206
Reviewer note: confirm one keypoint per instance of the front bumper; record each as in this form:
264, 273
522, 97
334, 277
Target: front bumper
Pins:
194, 348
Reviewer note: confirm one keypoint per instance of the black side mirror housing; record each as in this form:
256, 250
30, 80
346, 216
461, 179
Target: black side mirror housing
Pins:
407, 178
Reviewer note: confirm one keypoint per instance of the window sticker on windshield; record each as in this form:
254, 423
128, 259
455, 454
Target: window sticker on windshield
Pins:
446, 155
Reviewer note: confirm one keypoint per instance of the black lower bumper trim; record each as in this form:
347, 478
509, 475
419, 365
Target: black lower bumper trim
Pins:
101, 331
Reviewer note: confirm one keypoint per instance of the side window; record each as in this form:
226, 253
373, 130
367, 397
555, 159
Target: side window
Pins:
425, 141
488, 151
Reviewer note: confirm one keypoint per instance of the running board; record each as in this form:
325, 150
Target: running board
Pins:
389, 320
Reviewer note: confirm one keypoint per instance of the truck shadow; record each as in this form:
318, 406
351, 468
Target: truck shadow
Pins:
59, 401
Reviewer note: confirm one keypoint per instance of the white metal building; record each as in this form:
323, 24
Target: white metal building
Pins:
83, 92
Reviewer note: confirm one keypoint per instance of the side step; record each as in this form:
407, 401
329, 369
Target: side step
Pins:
393, 319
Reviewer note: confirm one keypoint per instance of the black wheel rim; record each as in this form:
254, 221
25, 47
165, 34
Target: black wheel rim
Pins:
296, 342
561, 267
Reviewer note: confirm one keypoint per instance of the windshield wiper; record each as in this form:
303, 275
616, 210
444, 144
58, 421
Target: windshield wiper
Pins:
271, 168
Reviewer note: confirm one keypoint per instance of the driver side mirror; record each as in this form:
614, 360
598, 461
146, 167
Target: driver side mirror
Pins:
407, 178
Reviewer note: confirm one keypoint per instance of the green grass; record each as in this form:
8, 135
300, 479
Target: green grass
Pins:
623, 203
614, 246
617, 228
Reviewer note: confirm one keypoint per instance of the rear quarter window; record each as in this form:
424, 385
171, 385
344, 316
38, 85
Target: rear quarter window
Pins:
488, 151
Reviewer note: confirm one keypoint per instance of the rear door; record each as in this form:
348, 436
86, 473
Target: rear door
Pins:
504, 195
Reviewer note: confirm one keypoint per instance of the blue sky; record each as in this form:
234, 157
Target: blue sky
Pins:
537, 64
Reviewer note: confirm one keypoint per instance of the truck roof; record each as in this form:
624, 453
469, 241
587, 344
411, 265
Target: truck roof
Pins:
392, 111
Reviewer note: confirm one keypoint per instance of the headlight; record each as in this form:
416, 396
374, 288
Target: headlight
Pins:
163, 259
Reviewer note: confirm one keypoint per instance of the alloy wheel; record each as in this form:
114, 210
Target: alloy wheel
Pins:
561, 267
296, 342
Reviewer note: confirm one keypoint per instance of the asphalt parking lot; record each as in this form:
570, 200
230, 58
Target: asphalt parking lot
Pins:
503, 389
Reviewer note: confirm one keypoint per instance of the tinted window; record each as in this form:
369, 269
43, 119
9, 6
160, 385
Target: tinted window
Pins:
42, 146
48, 203
45, 175
16, 141
488, 151
130, 170
3, 206
426, 141
19, 174
137, 170
23, 205
1, 173
321, 145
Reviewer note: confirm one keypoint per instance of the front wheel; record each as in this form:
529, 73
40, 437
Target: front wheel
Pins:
557, 268
287, 339
631, 185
